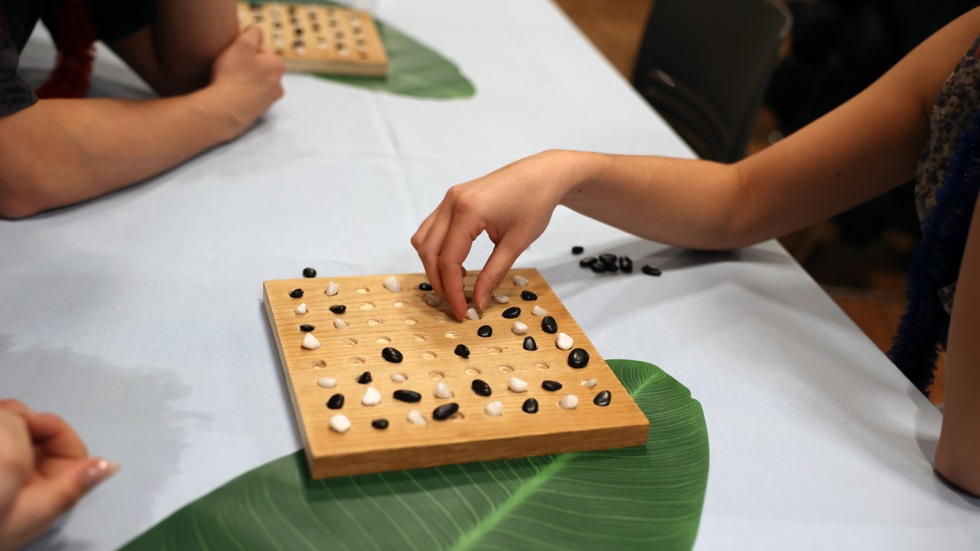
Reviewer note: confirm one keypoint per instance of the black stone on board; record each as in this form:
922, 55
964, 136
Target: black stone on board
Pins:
481, 387
650, 270
528, 295
549, 325
296, 293
425, 286
462, 351
392, 355
365, 378
336, 401
578, 249
309, 272
338, 308
380, 424
626, 264
529, 344
578, 358
445, 411
406, 395
511, 312
306, 328
603, 398
551, 386
530, 406
484, 331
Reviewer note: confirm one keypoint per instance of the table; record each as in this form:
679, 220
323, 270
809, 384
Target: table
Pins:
138, 316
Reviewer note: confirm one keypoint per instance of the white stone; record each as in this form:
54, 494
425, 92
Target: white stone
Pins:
443, 390
398, 377
415, 417
327, 382
569, 401
301, 309
310, 342
563, 341
500, 299
432, 300
340, 423
471, 314
519, 328
371, 397
392, 284
589, 383
520, 281
495, 408
517, 385
339, 323
332, 289
539, 311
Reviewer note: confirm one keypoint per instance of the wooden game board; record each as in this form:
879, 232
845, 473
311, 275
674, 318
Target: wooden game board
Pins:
427, 337
320, 39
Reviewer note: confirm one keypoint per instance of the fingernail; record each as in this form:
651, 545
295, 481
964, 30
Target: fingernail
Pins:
97, 471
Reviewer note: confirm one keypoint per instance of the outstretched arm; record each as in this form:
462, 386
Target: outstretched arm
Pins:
858, 151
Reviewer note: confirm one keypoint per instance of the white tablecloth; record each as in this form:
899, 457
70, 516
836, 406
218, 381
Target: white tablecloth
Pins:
138, 316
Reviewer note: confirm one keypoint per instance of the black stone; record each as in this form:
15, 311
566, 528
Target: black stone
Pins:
650, 270
306, 328
484, 331
603, 398
626, 264
365, 378
599, 266
529, 344
578, 249
481, 387
612, 267
406, 395
587, 262
392, 355
551, 386
425, 286
445, 411
578, 358
462, 351
608, 258
296, 293
336, 401
549, 325
380, 424
511, 312
528, 295
309, 272
530, 406
338, 308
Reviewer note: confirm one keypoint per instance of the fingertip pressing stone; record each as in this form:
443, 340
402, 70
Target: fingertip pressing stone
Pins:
409, 396
529, 344
425, 286
500, 299
578, 249
332, 289
530, 406
480, 387
650, 270
309, 272
549, 325
336, 401
528, 295
539, 311
340, 423
310, 342
327, 382
364, 378
484, 331
578, 358
306, 328
301, 309
415, 417
590, 383
471, 314
462, 351
520, 281
392, 355
432, 300
626, 264
296, 293
338, 309
339, 323
517, 385
494, 408
371, 397
380, 424
563, 341
603, 398
398, 377
519, 328
392, 284
445, 411
443, 390
569, 401
551, 386
511, 312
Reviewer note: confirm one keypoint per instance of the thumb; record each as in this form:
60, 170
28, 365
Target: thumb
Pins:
45, 499
503, 257
252, 36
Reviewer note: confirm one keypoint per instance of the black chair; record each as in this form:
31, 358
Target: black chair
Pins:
704, 65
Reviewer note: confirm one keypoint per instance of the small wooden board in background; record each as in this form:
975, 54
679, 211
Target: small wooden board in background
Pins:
318, 39
427, 336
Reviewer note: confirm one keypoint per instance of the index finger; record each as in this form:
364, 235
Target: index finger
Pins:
455, 248
252, 36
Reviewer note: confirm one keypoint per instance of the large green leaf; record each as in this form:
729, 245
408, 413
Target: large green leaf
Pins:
630, 498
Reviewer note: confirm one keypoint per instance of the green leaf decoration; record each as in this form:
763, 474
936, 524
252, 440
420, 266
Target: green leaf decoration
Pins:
628, 498
414, 69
